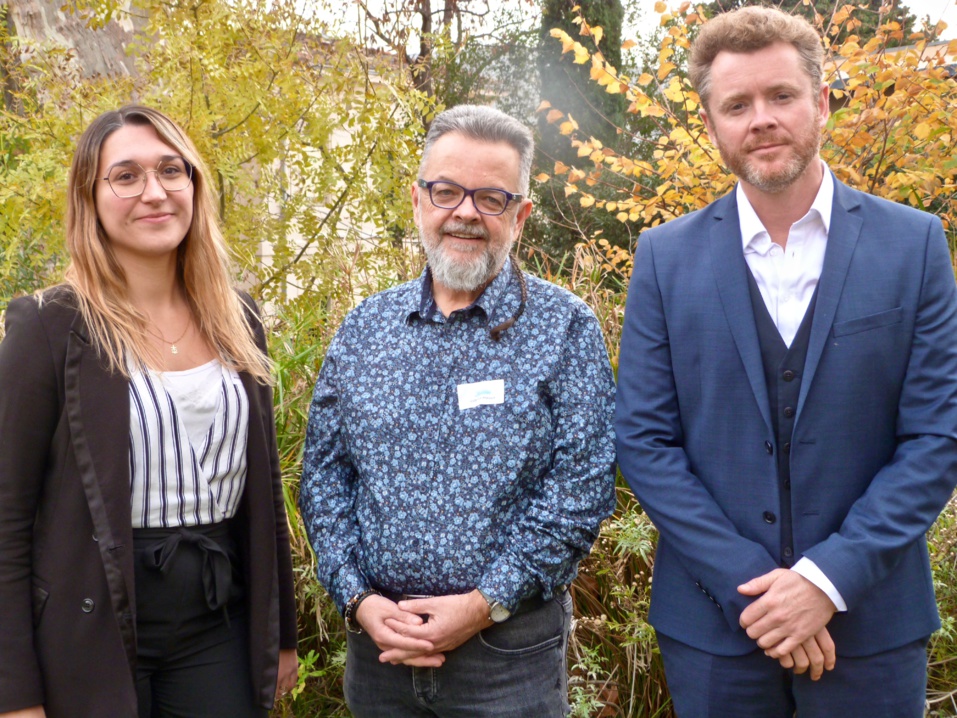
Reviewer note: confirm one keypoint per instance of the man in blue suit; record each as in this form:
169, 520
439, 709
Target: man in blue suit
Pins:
787, 407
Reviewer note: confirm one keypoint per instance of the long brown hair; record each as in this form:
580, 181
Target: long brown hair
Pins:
117, 328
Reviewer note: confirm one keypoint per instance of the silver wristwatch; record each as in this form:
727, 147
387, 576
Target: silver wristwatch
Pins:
496, 611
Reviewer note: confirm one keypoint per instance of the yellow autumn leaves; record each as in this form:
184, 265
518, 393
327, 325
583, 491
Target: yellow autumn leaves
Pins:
892, 132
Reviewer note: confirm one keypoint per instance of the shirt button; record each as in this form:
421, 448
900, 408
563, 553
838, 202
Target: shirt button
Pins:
769, 518
788, 411
788, 375
87, 605
768, 447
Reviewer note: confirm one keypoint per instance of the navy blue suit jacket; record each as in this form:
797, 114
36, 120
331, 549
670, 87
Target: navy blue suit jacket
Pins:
874, 448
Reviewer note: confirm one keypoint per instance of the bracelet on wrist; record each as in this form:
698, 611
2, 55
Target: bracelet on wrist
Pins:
349, 614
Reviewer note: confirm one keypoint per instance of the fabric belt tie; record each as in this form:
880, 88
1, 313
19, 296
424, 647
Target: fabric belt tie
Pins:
217, 569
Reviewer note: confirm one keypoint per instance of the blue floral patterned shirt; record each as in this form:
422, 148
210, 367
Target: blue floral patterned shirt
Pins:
410, 488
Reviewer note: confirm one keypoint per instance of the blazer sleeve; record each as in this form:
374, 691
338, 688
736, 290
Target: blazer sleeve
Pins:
907, 494
29, 407
652, 458
287, 594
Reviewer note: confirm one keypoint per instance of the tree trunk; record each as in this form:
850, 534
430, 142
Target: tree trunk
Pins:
97, 52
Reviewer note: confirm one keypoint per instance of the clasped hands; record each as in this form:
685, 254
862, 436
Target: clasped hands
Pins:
789, 621
404, 636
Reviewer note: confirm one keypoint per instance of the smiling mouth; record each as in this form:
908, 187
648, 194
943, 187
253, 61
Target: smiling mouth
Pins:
768, 146
459, 236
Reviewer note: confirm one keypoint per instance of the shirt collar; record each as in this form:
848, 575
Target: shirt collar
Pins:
755, 238
487, 301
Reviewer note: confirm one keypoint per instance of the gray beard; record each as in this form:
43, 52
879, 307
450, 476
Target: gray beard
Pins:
464, 276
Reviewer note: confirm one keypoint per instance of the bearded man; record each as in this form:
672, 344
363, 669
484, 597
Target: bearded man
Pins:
787, 407
460, 452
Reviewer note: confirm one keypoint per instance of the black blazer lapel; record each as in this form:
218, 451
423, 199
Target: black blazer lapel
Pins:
97, 407
730, 275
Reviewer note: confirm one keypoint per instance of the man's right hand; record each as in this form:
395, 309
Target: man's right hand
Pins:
816, 654
34, 712
371, 615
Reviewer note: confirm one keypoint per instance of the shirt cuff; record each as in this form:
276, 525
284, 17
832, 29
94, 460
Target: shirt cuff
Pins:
347, 583
807, 568
506, 583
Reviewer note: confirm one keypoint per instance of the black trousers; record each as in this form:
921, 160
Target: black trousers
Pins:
192, 643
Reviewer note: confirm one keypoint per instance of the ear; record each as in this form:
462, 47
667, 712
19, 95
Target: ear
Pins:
523, 212
416, 196
824, 102
706, 119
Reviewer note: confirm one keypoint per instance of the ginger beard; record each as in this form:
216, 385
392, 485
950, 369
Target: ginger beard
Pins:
772, 176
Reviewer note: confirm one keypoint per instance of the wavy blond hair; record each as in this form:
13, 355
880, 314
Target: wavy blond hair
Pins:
117, 328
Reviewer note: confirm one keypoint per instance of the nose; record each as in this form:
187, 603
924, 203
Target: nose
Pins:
763, 118
467, 211
153, 191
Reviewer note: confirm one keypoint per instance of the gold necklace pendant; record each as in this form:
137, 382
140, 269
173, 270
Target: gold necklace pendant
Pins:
172, 345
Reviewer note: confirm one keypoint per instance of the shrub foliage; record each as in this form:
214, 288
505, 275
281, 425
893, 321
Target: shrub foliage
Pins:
313, 143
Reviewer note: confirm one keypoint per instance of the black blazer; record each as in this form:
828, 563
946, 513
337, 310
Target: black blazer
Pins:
67, 601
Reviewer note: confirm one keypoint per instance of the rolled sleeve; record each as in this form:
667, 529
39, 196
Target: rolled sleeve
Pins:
328, 489
578, 492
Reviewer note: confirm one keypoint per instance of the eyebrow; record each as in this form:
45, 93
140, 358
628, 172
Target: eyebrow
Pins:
162, 159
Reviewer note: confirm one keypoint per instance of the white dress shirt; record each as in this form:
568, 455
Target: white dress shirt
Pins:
787, 277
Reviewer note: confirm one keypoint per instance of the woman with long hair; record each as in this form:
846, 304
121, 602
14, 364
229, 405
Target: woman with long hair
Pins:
144, 551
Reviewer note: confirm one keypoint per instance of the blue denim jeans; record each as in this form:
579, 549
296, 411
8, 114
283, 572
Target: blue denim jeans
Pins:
514, 669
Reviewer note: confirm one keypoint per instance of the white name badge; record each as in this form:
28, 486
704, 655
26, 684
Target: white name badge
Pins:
481, 392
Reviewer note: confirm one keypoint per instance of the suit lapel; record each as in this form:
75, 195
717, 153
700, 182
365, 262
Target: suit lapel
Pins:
842, 236
97, 407
730, 274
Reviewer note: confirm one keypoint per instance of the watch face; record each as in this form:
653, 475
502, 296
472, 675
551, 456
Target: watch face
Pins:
498, 612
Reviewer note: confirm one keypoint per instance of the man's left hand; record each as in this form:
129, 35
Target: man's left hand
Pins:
452, 620
790, 611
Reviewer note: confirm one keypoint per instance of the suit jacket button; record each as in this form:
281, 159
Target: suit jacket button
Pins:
768, 447
769, 517
788, 375
788, 552
87, 605
788, 411
787, 447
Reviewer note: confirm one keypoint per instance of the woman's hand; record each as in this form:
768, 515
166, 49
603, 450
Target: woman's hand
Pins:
35, 712
285, 682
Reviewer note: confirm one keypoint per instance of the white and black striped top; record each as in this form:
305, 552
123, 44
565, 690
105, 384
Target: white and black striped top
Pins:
172, 482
